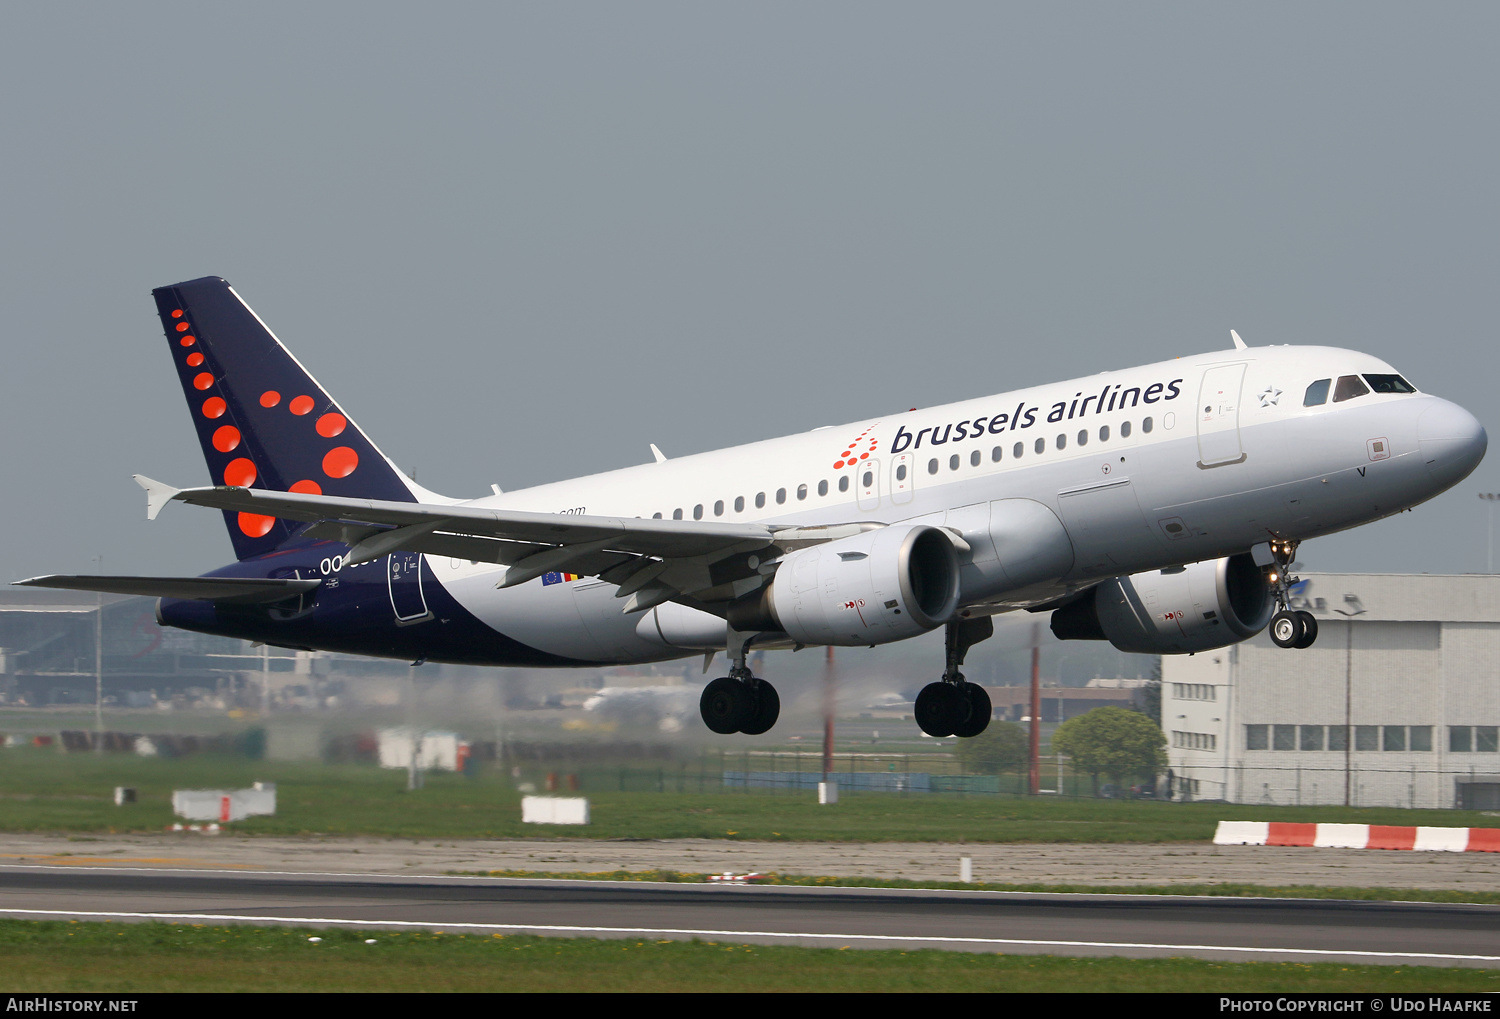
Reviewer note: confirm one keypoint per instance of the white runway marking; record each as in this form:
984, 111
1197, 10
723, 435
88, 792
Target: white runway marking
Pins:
925, 938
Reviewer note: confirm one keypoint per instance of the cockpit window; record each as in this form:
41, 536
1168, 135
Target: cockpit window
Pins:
1389, 384
1348, 388
1317, 393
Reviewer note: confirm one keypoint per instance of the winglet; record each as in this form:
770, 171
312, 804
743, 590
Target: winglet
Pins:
157, 494
1239, 344
661, 457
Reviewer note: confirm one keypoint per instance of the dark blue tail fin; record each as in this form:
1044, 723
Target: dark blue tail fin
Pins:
262, 420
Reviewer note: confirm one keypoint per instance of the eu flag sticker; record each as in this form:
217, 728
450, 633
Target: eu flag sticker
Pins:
557, 578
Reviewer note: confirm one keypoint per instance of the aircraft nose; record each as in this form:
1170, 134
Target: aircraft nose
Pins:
1452, 442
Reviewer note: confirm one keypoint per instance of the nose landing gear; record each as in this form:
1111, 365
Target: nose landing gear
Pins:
953, 706
1289, 628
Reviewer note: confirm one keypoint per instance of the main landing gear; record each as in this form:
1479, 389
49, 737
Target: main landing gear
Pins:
1289, 628
739, 702
952, 706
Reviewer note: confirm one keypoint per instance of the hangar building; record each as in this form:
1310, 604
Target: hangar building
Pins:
1397, 704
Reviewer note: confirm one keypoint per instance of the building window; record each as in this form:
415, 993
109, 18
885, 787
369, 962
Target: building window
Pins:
1255, 737
1421, 738
1393, 737
1485, 739
1367, 737
1195, 740
1194, 691
1338, 737
1460, 739
1310, 737
1283, 737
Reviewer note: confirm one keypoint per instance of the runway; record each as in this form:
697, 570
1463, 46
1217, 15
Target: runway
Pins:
1131, 925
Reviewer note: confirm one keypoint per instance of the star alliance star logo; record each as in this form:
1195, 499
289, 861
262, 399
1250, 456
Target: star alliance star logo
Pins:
1270, 396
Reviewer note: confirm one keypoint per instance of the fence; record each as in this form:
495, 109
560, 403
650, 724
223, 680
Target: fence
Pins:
1462, 784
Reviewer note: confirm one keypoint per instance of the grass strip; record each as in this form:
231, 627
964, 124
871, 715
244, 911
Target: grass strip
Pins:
48, 791
1225, 890
62, 956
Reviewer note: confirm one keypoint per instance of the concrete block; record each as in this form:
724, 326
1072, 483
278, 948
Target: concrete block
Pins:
554, 810
828, 792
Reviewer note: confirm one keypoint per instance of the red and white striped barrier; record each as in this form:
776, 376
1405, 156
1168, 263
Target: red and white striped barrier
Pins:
731, 878
1358, 836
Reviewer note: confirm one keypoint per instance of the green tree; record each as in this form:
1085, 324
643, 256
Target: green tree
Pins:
1112, 741
1001, 747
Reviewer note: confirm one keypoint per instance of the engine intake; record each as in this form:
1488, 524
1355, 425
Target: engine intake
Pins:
871, 588
1178, 610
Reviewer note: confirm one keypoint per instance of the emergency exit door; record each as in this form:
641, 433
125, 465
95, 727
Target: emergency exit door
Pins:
404, 580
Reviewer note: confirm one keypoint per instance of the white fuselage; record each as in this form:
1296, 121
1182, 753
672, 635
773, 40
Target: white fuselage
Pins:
1145, 468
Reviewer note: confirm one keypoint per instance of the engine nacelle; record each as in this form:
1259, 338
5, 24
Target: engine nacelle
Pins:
872, 588
1178, 610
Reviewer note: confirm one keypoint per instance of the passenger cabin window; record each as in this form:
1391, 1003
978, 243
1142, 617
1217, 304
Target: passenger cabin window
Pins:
1124, 429
719, 508
844, 483
1104, 433
974, 459
822, 488
780, 496
1348, 388
953, 462
1146, 426
901, 472
1062, 442
995, 454
656, 516
677, 514
1041, 444
739, 504
801, 492
1083, 437
760, 500
1020, 448
698, 512
868, 480
932, 466
1317, 393
1389, 384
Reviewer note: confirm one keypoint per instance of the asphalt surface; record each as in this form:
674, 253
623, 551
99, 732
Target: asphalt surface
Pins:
1133, 925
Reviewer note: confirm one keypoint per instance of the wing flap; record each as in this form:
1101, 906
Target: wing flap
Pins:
231, 590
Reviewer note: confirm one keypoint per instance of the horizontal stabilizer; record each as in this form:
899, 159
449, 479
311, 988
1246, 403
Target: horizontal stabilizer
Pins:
233, 590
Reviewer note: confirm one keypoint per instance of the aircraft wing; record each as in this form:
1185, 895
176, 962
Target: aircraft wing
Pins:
240, 590
652, 561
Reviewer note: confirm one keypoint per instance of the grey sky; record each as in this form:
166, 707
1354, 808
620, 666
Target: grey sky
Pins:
519, 242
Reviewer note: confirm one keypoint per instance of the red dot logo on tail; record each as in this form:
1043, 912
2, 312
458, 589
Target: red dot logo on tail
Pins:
300, 405
194, 359
270, 398
340, 462
330, 425
226, 438
214, 407
307, 487
256, 525
240, 473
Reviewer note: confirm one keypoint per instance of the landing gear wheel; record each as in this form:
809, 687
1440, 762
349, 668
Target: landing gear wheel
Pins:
1309, 629
978, 703
767, 709
726, 705
1287, 628
939, 709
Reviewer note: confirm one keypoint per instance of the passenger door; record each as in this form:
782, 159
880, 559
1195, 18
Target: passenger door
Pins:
1219, 416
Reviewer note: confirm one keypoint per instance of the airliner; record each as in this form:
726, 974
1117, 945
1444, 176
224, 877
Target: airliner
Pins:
1158, 508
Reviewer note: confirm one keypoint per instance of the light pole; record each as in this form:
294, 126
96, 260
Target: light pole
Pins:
1490, 499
